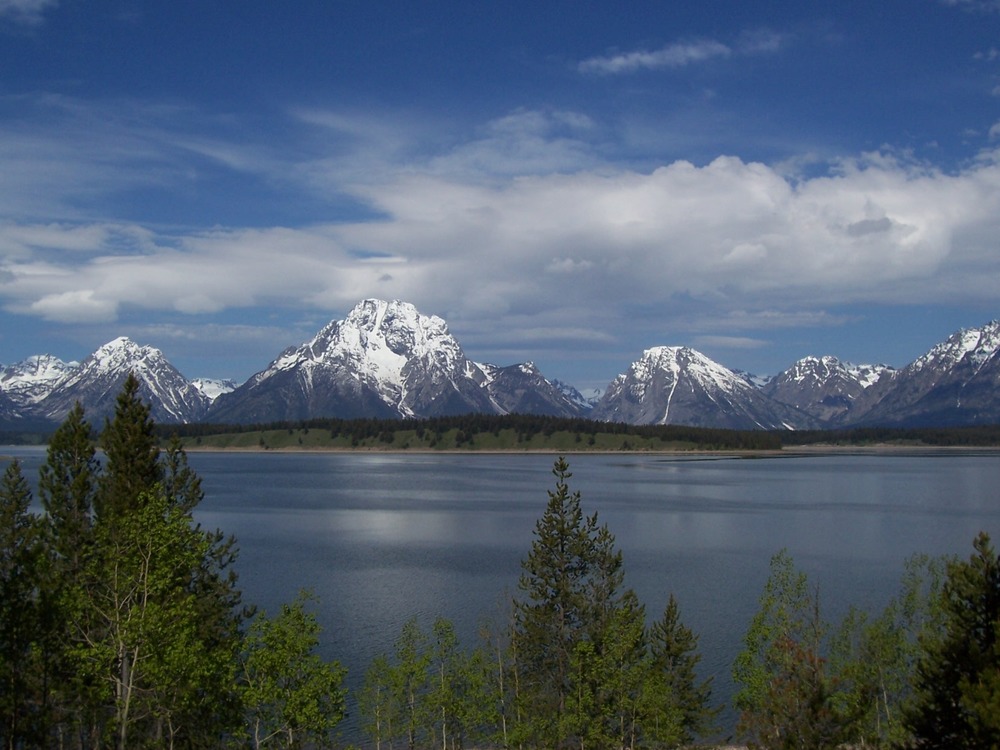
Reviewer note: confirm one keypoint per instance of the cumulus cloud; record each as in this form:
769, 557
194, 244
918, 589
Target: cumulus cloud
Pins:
737, 235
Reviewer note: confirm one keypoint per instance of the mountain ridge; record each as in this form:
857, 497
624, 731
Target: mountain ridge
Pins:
385, 359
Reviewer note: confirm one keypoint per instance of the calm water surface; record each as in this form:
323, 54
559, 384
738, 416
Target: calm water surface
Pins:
382, 538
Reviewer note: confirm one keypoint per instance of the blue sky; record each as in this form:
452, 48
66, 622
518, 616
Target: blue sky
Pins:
563, 182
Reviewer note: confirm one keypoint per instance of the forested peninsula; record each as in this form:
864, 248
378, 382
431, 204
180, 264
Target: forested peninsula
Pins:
122, 626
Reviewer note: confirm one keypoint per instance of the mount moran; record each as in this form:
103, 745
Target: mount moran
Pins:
387, 360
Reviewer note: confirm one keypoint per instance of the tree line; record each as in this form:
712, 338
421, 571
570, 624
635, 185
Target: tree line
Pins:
468, 429
122, 626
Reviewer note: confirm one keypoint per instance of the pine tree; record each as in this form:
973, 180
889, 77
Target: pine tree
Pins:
674, 653
570, 596
19, 578
957, 701
67, 488
132, 465
159, 634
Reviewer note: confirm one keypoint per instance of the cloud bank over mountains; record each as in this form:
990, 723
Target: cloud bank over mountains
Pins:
458, 237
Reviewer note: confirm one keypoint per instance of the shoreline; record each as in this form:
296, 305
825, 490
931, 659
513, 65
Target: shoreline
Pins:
790, 451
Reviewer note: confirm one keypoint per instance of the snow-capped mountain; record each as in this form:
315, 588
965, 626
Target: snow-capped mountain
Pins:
524, 390
825, 387
678, 385
385, 359
956, 382
31, 380
212, 388
98, 380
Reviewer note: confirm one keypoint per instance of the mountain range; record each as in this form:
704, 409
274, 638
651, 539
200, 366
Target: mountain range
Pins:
388, 360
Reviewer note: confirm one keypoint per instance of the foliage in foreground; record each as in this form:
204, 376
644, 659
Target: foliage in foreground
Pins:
121, 624
574, 667
924, 673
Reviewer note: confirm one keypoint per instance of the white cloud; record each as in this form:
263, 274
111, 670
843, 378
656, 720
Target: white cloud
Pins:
683, 54
25, 11
676, 55
994, 132
731, 234
74, 306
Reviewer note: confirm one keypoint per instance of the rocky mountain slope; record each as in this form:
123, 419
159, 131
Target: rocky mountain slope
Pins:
957, 382
826, 388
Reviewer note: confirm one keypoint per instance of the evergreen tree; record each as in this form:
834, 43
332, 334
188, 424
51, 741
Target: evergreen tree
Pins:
67, 487
19, 578
625, 670
180, 482
132, 465
957, 702
674, 653
570, 596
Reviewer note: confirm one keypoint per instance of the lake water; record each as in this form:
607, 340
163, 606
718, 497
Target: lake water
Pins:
381, 538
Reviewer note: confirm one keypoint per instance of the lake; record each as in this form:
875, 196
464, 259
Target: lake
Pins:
383, 537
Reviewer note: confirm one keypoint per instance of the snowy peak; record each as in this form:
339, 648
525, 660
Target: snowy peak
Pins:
29, 381
956, 382
99, 378
384, 359
825, 387
379, 339
972, 346
212, 388
679, 385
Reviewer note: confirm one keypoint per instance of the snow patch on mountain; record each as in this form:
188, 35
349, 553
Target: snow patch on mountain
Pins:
212, 388
31, 380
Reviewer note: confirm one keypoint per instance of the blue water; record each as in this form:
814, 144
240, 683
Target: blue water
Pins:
380, 538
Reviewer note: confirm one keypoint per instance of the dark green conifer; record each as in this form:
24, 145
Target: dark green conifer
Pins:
132, 465
674, 654
957, 702
19, 574
570, 596
67, 488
